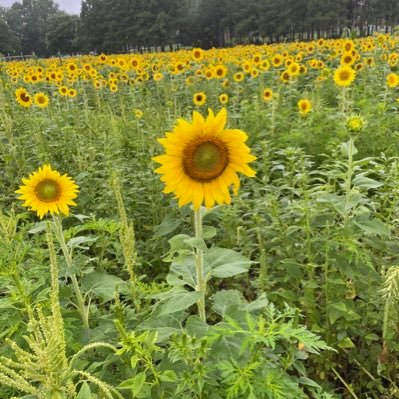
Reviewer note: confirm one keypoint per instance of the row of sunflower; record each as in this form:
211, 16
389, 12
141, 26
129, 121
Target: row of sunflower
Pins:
341, 60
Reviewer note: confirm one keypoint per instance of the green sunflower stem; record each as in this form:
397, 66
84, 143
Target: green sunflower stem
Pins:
199, 266
348, 182
82, 308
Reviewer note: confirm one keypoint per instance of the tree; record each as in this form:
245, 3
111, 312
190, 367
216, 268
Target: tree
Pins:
61, 35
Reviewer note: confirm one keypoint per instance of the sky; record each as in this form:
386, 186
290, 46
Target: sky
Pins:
70, 6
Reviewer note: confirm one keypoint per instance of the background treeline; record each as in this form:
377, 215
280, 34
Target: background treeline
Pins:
38, 26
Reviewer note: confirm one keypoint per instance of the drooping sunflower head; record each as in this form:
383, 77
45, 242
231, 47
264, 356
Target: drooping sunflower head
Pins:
46, 190
202, 159
344, 76
23, 98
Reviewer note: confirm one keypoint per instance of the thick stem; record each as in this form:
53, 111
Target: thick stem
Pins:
83, 310
199, 266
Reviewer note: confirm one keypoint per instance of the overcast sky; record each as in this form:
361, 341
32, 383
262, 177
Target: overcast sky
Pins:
71, 6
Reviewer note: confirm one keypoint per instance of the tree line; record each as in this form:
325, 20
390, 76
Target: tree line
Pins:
39, 27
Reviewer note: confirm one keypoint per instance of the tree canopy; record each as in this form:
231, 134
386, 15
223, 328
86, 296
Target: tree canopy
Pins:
38, 26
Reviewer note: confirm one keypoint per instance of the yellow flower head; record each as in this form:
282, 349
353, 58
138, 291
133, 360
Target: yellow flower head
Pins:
344, 76
304, 106
23, 98
223, 98
47, 191
267, 94
202, 159
41, 100
392, 80
138, 113
199, 98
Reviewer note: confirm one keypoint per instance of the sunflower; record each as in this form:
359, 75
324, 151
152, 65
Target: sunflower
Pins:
72, 93
41, 100
202, 159
23, 98
47, 191
138, 113
198, 54
63, 90
199, 98
238, 77
344, 76
223, 98
392, 80
267, 94
304, 106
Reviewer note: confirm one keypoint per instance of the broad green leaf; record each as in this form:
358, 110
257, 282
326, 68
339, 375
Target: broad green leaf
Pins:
179, 302
222, 300
366, 182
167, 226
345, 149
103, 285
84, 392
340, 309
225, 263
372, 226
198, 243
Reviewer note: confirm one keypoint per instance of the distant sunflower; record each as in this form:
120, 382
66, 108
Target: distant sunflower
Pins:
198, 54
392, 80
72, 93
202, 159
304, 106
23, 98
344, 76
267, 94
63, 90
47, 191
238, 77
199, 98
223, 98
41, 100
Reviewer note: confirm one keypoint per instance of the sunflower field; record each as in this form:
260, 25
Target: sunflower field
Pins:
219, 224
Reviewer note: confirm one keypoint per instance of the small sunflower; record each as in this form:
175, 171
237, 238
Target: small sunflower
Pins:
344, 76
72, 93
267, 94
199, 98
223, 98
138, 113
63, 90
202, 159
392, 80
238, 77
47, 191
304, 106
41, 100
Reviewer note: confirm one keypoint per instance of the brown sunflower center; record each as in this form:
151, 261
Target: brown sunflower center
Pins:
205, 158
48, 191
24, 97
344, 75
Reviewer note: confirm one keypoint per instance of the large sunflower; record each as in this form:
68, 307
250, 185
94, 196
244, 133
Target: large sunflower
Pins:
344, 76
47, 191
202, 159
